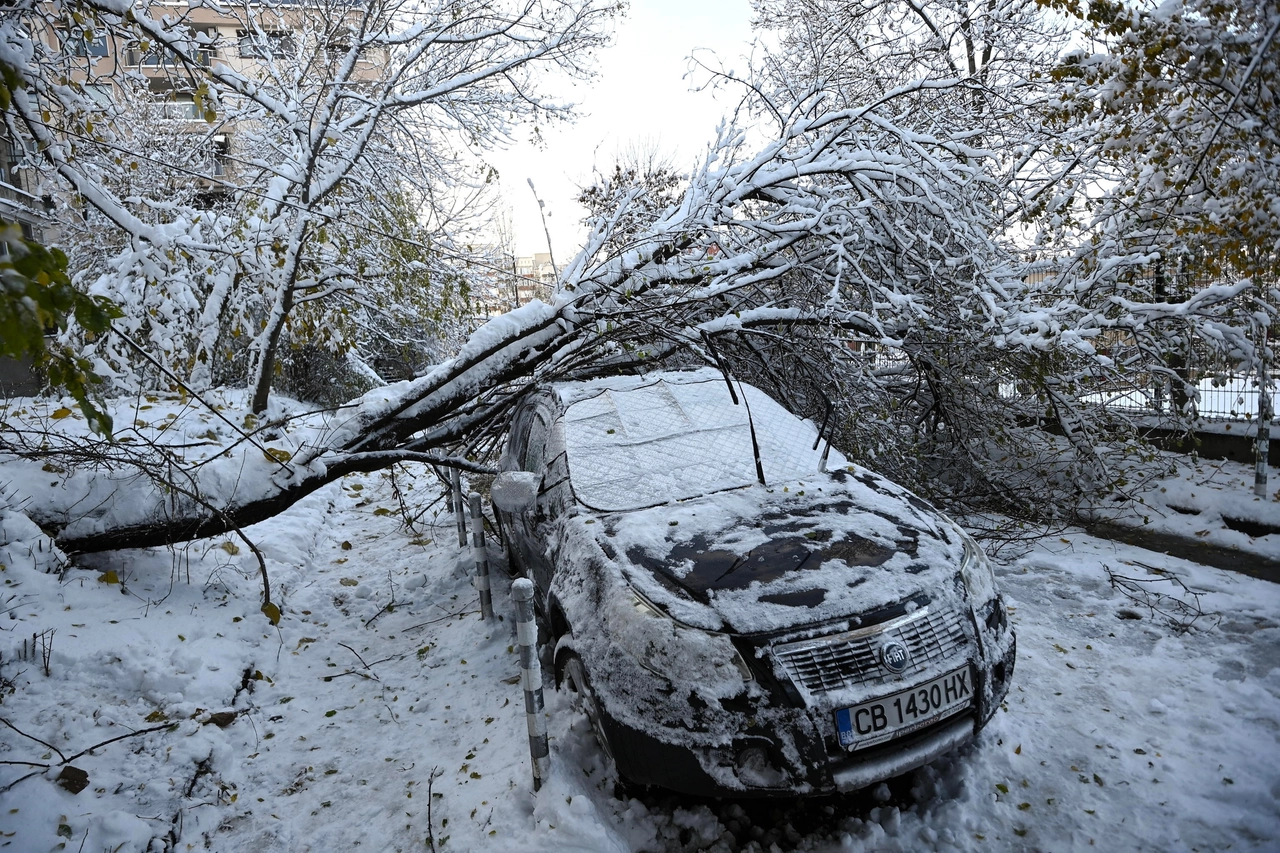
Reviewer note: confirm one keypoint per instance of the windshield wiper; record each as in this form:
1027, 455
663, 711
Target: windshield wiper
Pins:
826, 419
751, 424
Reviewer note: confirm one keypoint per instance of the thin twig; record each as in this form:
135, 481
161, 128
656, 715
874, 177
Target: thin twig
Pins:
441, 619
9, 787
386, 608
363, 675
356, 653
36, 739
1180, 614
119, 737
431, 828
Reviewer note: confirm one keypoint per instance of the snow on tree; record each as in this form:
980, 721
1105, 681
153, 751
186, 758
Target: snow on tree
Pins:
844, 226
975, 63
353, 129
858, 257
1168, 160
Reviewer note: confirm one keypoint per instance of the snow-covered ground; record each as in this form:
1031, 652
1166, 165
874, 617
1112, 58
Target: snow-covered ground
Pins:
382, 714
1212, 501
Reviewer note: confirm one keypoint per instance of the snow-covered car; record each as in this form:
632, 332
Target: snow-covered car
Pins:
734, 620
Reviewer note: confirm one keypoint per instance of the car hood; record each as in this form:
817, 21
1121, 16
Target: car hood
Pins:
762, 559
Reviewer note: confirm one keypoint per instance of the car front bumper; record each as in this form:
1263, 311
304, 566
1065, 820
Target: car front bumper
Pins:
793, 752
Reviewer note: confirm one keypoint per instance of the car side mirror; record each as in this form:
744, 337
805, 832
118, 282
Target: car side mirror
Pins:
515, 491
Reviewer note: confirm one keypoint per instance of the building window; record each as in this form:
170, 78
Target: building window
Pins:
338, 42
154, 58
101, 94
179, 108
220, 154
82, 44
268, 45
160, 56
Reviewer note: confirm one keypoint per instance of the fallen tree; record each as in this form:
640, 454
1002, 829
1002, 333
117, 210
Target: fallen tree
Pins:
849, 256
844, 222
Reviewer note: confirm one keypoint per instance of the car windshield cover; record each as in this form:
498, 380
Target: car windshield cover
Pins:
644, 446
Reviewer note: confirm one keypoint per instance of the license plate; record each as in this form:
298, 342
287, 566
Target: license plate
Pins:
898, 713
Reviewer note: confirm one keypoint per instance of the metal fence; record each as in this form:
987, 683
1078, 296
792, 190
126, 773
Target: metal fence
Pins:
1220, 397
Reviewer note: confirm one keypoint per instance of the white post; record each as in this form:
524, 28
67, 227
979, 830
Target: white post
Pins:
531, 678
481, 578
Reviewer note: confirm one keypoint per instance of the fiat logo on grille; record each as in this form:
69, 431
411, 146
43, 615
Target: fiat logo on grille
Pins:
894, 657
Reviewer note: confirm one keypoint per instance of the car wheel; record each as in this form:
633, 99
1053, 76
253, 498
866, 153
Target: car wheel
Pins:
584, 699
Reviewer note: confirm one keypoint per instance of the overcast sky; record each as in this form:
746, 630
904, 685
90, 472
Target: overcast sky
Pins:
641, 96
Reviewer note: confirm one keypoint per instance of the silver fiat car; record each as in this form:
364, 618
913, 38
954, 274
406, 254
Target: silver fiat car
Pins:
738, 610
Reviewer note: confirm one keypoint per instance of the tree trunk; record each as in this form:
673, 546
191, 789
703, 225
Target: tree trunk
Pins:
266, 366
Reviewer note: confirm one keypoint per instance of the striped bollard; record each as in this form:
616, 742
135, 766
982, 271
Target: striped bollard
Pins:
531, 678
481, 578
459, 509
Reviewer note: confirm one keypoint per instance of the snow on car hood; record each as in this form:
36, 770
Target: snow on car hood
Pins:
759, 559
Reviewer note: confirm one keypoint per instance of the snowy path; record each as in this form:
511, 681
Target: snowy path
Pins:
1120, 733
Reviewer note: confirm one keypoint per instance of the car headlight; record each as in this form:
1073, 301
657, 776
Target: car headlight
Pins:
706, 660
976, 572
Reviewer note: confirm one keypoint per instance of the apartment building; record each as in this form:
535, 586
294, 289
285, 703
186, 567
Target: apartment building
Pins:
19, 198
163, 102
535, 276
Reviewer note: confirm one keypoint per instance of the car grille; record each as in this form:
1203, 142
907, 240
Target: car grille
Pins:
843, 660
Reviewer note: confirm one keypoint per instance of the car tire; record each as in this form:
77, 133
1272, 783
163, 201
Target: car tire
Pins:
584, 699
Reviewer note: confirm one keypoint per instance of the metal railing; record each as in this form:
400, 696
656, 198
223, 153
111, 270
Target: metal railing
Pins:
1219, 397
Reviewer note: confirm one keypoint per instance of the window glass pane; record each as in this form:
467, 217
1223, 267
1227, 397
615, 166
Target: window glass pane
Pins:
82, 44
179, 107
264, 45
100, 93
535, 451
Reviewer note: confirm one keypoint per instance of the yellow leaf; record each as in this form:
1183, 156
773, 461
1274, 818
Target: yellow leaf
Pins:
230, 547
275, 454
61, 413
272, 613
109, 576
